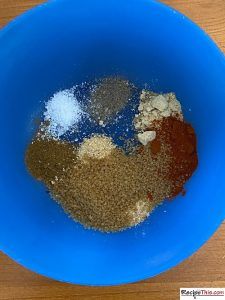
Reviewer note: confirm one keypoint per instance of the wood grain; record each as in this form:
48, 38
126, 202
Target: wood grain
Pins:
206, 268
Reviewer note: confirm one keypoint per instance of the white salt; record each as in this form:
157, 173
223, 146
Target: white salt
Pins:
63, 111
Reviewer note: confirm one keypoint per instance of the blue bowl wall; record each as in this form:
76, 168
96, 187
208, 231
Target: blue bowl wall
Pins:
62, 43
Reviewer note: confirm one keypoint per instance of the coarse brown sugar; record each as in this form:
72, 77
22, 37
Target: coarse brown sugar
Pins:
111, 194
95, 196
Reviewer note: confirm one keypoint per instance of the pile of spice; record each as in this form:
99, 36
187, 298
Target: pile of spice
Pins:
95, 181
48, 159
63, 111
98, 146
181, 140
108, 97
154, 107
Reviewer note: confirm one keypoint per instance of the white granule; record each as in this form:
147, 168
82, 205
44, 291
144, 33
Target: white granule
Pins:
139, 213
62, 112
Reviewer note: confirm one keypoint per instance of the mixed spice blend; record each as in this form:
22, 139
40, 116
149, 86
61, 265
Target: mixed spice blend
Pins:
99, 184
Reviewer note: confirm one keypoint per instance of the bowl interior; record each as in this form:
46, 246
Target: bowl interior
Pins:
63, 43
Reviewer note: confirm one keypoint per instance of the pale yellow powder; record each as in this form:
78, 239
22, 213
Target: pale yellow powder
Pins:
98, 147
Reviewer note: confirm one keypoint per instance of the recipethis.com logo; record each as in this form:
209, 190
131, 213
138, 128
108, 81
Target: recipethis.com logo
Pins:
202, 293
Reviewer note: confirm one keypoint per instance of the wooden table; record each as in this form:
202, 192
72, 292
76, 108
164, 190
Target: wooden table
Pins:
206, 268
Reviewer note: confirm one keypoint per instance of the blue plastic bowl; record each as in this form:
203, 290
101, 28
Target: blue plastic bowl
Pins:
65, 42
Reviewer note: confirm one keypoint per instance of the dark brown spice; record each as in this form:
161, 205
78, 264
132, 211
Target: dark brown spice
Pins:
149, 196
47, 160
155, 146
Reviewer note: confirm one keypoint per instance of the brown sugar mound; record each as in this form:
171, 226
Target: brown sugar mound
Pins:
113, 193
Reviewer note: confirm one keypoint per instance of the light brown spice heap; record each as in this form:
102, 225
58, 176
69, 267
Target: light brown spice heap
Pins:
115, 192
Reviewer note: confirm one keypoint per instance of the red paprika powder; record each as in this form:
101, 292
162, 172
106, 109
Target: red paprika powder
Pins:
181, 139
